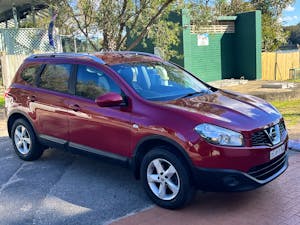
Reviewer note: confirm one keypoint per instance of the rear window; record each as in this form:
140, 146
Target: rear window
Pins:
56, 77
29, 74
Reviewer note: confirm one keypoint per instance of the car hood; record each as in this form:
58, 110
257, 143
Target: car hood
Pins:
228, 109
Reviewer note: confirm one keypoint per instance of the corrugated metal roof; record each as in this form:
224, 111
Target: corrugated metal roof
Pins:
23, 7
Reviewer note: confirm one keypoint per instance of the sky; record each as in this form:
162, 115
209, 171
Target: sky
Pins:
291, 14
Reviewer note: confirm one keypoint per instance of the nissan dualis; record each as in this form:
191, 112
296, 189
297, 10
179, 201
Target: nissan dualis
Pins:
177, 133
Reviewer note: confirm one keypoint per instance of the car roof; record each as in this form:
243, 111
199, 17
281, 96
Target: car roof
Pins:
112, 58
109, 58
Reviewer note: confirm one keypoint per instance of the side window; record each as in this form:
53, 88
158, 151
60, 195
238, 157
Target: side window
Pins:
55, 77
29, 74
92, 83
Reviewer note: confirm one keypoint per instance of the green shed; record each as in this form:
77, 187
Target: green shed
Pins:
231, 48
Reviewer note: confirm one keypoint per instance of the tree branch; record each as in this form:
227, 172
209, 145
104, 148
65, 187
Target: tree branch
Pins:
150, 23
137, 16
79, 26
122, 23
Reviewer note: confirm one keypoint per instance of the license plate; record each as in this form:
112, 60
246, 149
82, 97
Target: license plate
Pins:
276, 152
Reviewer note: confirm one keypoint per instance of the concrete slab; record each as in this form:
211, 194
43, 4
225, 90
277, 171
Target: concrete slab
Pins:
282, 85
228, 83
294, 145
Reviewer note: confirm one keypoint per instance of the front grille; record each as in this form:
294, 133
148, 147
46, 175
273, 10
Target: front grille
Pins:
282, 129
260, 138
267, 170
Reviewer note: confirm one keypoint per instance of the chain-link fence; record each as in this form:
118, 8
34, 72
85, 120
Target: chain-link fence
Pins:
79, 44
27, 41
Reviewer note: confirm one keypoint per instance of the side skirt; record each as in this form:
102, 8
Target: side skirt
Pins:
77, 148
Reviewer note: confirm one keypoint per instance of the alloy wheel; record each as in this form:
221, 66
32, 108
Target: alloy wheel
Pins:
163, 179
22, 139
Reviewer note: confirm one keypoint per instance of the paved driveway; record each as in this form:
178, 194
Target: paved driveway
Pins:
277, 203
63, 188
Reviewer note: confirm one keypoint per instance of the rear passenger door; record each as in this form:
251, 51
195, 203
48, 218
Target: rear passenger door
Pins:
102, 130
51, 102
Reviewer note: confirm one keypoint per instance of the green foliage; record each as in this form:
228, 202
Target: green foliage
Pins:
164, 35
294, 36
273, 8
273, 33
201, 12
2, 101
231, 8
206, 12
39, 22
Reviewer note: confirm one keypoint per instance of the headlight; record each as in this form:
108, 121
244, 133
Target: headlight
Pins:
219, 135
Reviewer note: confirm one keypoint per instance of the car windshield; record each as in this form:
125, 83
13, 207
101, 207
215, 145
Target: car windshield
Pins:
156, 81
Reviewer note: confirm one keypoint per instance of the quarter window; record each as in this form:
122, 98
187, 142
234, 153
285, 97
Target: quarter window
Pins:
56, 76
29, 74
92, 82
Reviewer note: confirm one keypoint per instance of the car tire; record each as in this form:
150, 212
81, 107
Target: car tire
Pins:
24, 141
166, 179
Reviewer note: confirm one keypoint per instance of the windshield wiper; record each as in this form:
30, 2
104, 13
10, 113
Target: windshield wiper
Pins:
192, 93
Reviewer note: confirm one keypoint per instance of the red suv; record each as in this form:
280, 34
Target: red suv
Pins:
176, 132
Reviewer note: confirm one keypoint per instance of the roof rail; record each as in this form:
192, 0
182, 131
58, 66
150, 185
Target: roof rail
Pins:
132, 53
143, 53
68, 55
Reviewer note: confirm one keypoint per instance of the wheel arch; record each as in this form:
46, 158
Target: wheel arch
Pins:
17, 115
146, 144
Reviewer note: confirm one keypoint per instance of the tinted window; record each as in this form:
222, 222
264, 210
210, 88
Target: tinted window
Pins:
55, 77
92, 83
29, 74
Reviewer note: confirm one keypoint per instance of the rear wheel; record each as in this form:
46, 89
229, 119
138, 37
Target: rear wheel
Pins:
166, 179
24, 141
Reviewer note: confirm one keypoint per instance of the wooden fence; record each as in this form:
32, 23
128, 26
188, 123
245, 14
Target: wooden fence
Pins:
10, 65
279, 65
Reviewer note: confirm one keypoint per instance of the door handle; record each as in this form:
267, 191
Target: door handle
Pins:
74, 107
31, 98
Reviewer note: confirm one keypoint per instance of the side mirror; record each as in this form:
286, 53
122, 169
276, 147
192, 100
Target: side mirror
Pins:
109, 99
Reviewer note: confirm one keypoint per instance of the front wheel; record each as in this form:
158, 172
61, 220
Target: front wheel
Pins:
166, 179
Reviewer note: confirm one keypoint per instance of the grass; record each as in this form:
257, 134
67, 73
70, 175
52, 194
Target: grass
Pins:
290, 110
1, 101
296, 81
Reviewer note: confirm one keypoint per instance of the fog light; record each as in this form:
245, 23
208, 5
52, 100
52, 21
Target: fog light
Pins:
230, 181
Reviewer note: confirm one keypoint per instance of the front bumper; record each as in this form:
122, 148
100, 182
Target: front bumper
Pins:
234, 180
